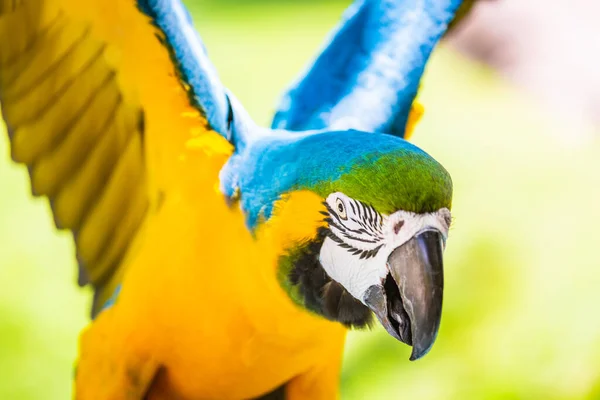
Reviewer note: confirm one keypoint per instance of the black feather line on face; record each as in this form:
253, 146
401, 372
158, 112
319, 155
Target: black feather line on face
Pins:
333, 213
365, 254
374, 218
347, 236
340, 223
322, 294
370, 215
367, 220
358, 221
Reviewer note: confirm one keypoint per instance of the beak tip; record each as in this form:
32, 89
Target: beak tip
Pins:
418, 353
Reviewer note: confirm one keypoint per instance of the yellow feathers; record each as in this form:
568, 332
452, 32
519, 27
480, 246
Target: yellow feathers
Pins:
78, 125
96, 110
210, 144
416, 112
295, 219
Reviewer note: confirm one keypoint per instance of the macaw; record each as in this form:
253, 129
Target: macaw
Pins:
229, 259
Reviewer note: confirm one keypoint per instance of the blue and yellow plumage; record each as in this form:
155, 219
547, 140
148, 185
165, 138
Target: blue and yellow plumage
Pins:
228, 258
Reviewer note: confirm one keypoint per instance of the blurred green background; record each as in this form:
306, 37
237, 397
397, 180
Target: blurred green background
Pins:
522, 300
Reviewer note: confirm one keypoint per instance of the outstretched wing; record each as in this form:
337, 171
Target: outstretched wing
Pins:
96, 94
367, 75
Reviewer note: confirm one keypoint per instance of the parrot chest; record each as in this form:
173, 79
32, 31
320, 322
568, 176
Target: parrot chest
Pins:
206, 296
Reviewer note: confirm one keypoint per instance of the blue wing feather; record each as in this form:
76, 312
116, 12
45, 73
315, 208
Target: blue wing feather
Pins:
224, 114
365, 78
368, 73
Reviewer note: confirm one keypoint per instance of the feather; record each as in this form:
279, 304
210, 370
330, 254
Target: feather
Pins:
78, 84
189, 53
367, 75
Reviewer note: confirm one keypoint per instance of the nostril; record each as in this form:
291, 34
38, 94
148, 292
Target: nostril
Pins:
398, 226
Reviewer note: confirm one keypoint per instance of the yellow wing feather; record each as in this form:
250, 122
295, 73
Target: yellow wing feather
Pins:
79, 81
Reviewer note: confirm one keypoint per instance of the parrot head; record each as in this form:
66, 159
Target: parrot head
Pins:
386, 229
383, 215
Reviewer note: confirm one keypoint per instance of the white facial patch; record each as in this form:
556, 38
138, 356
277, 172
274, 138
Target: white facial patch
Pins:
360, 240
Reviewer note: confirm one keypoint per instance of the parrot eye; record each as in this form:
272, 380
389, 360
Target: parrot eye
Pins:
341, 209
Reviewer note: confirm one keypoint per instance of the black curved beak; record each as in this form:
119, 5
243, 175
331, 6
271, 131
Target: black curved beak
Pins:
409, 303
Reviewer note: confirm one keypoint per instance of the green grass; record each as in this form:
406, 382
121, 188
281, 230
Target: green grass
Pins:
522, 268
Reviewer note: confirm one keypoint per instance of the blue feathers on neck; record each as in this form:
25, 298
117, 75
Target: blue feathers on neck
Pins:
278, 164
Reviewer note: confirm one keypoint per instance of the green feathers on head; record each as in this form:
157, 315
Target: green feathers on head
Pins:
401, 180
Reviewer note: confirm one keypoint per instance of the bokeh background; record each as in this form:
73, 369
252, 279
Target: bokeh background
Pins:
522, 300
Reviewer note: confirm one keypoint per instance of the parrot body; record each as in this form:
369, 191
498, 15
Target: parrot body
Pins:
252, 338
216, 248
